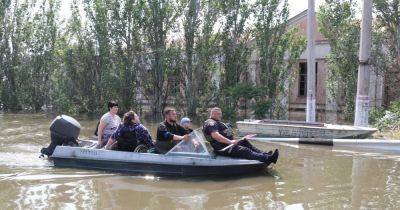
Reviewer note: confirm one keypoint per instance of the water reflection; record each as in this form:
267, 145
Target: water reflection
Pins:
187, 193
306, 177
69, 195
383, 181
328, 178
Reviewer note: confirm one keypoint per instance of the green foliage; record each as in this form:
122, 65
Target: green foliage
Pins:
261, 108
191, 24
27, 53
390, 121
386, 119
160, 18
230, 114
62, 102
235, 50
188, 53
206, 50
386, 45
395, 107
243, 90
200, 49
375, 114
273, 43
339, 25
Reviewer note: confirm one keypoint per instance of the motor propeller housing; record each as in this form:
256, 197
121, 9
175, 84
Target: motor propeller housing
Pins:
64, 130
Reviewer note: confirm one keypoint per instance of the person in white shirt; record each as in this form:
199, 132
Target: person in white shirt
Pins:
109, 123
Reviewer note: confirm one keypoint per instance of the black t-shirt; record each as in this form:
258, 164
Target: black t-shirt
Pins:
165, 131
211, 126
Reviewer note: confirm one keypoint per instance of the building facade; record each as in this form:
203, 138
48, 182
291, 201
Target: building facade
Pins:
327, 109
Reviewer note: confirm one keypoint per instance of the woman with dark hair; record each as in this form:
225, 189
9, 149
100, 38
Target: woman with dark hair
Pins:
109, 123
130, 134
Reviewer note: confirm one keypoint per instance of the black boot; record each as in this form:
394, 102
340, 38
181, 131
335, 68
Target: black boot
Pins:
269, 153
271, 157
274, 156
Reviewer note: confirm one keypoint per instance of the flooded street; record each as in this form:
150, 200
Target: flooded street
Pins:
305, 177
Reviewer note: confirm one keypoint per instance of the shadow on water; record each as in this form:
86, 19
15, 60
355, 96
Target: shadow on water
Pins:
267, 173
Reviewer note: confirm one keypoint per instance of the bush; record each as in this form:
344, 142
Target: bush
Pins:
375, 114
245, 90
395, 107
229, 113
261, 108
64, 105
386, 120
390, 121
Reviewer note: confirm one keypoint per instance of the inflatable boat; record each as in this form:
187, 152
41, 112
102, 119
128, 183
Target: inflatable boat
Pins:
193, 157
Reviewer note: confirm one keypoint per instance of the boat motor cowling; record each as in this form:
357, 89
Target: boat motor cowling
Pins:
64, 130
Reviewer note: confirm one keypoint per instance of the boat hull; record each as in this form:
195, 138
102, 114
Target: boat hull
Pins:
327, 131
152, 164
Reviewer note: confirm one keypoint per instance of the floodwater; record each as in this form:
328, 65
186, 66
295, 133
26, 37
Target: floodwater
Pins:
305, 177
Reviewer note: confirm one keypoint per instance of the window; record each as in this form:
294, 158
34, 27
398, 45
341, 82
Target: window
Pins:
316, 76
303, 78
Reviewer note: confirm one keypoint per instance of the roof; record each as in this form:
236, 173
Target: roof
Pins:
294, 20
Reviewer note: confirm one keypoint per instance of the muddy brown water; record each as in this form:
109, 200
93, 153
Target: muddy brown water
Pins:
305, 177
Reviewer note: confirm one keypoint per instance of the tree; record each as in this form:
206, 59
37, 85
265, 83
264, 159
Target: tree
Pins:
386, 48
77, 81
341, 28
191, 24
126, 50
160, 18
13, 17
201, 48
278, 49
38, 64
126, 34
98, 13
235, 50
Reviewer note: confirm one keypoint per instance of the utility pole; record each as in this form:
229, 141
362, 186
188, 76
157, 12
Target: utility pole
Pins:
310, 110
362, 100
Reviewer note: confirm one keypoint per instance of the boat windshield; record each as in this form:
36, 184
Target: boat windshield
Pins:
196, 145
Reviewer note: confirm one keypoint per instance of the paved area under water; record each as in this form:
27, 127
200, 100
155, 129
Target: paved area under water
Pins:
305, 177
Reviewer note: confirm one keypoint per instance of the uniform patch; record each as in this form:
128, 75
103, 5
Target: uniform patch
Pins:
211, 123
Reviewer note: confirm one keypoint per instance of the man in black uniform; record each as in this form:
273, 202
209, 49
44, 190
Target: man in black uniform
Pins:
220, 136
169, 133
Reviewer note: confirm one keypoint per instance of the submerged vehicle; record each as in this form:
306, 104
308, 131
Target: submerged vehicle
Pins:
193, 157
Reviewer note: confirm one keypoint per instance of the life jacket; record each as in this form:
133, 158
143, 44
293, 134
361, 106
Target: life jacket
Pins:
223, 129
127, 141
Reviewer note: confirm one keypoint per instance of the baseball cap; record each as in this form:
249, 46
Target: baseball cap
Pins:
185, 120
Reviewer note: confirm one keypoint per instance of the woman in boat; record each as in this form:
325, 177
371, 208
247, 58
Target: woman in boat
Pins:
130, 134
109, 123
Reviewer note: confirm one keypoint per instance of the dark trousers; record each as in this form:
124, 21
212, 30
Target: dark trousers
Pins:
163, 147
243, 149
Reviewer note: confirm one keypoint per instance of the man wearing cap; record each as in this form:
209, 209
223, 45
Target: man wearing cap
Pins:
169, 132
186, 123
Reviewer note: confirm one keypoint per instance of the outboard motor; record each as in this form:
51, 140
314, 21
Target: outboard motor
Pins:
64, 130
